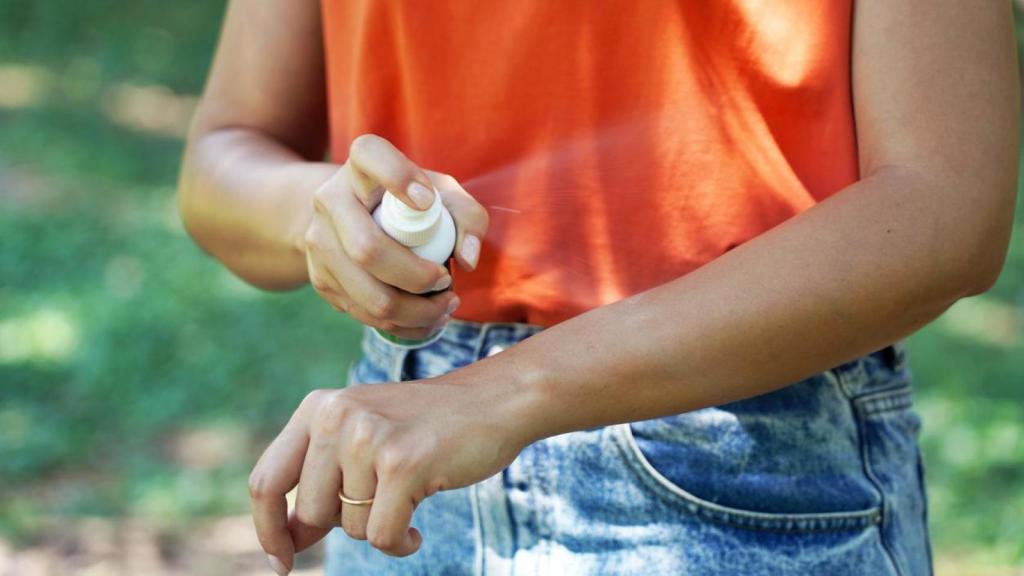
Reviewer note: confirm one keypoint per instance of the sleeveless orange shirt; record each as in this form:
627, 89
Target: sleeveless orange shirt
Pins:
616, 144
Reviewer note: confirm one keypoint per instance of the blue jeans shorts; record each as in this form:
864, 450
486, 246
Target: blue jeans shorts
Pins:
821, 477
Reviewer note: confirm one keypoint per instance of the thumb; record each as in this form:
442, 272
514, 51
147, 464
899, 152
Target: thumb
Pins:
470, 217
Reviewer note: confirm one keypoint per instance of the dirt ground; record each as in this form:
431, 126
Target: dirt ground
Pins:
119, 547
223, 546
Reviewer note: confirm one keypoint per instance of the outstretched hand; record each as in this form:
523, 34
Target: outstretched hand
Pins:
397, 442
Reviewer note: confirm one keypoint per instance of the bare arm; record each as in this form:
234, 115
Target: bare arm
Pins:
255, 193
936, 101
251, 161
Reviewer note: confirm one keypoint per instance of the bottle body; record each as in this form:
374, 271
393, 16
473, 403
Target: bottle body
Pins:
436, 243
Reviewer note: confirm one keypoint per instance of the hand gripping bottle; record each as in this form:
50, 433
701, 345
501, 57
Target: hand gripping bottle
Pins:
429, 233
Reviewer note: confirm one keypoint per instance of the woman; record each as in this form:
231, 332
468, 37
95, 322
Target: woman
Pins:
691, 237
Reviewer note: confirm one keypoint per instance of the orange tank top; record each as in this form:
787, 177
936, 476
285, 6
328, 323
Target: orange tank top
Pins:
616, 145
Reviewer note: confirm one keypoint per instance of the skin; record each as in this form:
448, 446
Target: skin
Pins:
936, 105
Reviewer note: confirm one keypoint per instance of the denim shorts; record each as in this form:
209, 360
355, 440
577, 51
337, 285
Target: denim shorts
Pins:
823, 476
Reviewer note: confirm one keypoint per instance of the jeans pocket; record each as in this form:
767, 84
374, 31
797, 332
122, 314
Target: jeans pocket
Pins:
893, 460
789, 461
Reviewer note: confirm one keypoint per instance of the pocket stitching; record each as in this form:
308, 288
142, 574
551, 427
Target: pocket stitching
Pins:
893, 399
795, 522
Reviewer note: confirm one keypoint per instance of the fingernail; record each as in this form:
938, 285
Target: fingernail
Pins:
470, 249
444, 282
421, 196
452, 305
277, 565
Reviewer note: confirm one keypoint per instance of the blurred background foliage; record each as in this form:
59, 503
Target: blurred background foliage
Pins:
138, 378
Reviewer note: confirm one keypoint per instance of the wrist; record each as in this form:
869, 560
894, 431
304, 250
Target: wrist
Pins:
308, 177
515, 394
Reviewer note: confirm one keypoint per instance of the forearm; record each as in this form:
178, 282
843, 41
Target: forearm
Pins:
849, 276
247, 199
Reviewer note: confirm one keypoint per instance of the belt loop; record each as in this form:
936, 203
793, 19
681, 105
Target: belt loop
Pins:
893, 355
899, 352
398, 363
479, 346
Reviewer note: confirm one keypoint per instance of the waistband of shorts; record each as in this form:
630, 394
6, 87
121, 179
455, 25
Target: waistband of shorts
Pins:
484, 338
487, 338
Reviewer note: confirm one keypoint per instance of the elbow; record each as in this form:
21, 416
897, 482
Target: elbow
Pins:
197, 184
187, 192
189, 203
200, 222
186, 201
198, 226
981, 274
982, 249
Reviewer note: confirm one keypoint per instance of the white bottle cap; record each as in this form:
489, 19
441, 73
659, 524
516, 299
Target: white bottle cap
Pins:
409, 226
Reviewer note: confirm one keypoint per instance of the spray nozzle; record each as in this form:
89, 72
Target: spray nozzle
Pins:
407, 225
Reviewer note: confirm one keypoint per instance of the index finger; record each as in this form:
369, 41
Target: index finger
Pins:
374, 160
275, 474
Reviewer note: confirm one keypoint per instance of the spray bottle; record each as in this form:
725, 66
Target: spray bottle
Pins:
429, 233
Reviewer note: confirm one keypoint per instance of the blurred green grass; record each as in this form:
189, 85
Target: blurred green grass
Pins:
126, 354
119, 339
